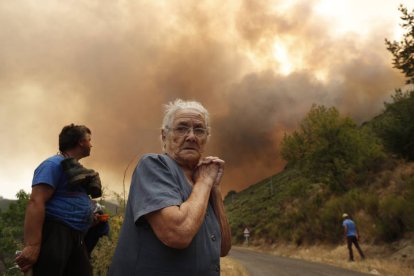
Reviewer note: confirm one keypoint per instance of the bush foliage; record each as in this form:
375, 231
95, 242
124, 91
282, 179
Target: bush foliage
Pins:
332, 149
11, 231
395, 126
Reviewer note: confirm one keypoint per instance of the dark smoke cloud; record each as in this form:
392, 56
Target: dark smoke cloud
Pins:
112, 65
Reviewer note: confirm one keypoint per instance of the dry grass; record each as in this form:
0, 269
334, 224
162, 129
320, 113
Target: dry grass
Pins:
230, 267
378, 261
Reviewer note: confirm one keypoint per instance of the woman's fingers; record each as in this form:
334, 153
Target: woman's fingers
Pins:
210, 159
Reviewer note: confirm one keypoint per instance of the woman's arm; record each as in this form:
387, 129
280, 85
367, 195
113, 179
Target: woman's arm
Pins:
222, 219
176, 226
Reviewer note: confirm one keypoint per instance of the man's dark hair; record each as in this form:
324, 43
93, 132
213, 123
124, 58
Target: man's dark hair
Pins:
70, 136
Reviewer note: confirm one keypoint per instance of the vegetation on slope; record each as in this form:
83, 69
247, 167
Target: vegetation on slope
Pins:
333, 167
11, 231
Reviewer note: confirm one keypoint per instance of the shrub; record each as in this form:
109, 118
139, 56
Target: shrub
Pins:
331, 149
395, 217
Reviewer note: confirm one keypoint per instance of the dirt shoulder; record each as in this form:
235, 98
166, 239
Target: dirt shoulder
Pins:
392, 259
231, 267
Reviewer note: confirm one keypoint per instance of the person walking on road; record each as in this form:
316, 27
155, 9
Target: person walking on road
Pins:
351, 236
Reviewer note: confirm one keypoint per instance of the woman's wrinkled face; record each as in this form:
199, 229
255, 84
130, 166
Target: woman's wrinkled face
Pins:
187, 136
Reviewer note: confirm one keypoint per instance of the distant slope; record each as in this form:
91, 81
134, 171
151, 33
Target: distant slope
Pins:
4, 203
111, 207
288, 207
261, 206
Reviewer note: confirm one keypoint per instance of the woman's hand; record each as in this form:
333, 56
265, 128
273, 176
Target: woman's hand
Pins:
211, 167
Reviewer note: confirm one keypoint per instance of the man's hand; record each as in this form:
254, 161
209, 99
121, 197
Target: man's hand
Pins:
95, 219
28, 257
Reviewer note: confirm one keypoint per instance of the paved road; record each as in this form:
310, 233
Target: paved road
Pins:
262, 264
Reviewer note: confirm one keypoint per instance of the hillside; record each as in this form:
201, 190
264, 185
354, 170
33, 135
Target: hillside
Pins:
261, 207
289, 215
334, 167
290, 207
4, 203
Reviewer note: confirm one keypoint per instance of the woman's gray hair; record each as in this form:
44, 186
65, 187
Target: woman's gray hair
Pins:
172, 107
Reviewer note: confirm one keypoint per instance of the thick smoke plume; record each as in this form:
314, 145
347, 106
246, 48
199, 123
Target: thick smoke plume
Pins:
257, 66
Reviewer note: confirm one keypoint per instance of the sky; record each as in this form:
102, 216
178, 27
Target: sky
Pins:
257, 65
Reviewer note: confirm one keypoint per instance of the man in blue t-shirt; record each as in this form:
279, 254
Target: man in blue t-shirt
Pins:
59, 211
351, 236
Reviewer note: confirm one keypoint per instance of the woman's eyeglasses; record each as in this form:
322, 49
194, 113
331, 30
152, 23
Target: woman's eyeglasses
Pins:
199, 132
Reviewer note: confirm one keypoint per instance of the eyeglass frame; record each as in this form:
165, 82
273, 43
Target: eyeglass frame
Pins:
188, 131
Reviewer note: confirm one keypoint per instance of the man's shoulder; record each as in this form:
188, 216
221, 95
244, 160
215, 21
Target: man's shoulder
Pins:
49, 171
51, 162
57, 158
348, 222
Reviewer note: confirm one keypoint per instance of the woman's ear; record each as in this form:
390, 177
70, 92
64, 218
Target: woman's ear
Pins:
163, 135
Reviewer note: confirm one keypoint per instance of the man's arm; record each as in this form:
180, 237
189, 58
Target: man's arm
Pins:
222, 219
33, 225
345, 231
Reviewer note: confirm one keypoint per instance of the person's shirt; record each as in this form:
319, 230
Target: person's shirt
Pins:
159, 182
350, 227
69, 206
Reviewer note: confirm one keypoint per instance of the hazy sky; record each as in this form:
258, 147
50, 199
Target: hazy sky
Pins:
257, 66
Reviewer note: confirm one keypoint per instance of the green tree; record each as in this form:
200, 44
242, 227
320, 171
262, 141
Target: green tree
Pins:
395, 126
403, 51
330, 148
11, 229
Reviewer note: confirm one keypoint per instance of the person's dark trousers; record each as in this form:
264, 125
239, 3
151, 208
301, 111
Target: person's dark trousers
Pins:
353, 240
94, 234
62, 252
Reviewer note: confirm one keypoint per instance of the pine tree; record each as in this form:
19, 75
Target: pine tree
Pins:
403, 51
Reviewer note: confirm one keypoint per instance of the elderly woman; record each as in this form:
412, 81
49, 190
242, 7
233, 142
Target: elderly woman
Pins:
174, 222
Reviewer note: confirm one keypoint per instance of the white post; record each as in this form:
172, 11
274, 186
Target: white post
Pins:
246, 234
